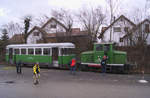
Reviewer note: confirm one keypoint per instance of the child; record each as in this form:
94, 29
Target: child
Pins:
36, 72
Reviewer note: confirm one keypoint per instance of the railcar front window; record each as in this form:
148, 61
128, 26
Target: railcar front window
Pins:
38, 51
46, 51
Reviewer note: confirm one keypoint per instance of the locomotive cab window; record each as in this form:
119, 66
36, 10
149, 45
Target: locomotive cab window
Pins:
99, 47
106, 47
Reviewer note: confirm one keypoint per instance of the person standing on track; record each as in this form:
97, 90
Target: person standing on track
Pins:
104, 63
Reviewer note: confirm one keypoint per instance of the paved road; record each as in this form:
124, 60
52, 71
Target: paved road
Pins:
60, 84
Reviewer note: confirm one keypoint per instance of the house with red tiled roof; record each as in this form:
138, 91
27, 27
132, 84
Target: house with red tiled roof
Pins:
51, 32
54, 31
17, 39
115, 31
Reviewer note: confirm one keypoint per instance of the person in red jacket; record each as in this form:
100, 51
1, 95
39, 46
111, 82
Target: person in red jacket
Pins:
73, 66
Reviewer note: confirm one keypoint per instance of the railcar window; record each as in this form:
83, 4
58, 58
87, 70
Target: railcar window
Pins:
99, 47
16, 51
66, 51
46, 51
23, 51
30, 51
106, 47
38, 51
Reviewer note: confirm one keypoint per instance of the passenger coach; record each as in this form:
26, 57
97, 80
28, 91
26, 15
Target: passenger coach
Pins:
49, 54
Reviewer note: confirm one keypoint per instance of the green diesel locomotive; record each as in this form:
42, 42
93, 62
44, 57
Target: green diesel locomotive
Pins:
117, 60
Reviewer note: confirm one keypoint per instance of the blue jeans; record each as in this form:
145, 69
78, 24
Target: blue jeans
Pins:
72, 70
104, 68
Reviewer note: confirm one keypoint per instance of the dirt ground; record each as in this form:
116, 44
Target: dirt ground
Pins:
55, 83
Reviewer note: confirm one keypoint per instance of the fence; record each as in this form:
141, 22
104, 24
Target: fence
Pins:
139, 55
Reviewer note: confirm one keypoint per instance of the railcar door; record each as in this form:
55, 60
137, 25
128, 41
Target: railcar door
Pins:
55, 56
10, 55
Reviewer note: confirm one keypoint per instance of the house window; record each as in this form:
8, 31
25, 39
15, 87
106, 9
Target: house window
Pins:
147, 28
126, 29
117, 29
36, 33
121, 39
53, 25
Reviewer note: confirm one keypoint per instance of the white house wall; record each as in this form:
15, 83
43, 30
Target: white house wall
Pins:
33, 39
117, 35
143, 28
58, 28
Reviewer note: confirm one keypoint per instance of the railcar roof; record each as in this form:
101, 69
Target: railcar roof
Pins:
51, 45
105, 43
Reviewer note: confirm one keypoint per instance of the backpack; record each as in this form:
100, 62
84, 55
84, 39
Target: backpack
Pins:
37, 70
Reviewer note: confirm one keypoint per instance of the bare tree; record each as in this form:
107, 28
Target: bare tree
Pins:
113, 6
92, 19
138, 36
41, 20
65, 17
137, 15
13, 28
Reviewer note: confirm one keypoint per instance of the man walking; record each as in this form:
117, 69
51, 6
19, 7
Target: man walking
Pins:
18, 67
73, 66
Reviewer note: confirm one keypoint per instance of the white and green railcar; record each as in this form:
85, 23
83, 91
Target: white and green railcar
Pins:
49, 54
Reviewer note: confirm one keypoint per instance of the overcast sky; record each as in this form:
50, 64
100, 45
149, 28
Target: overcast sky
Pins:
14, 10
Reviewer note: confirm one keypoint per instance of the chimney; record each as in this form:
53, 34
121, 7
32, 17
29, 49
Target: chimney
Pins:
114, 18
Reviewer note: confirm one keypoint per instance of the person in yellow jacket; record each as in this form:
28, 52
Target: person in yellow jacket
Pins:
36, 73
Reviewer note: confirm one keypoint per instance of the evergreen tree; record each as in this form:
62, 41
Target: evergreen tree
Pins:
3, 43
26, 28
4, 37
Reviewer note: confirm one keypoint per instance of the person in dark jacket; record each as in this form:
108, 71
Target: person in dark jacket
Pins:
104, 63
18, 67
